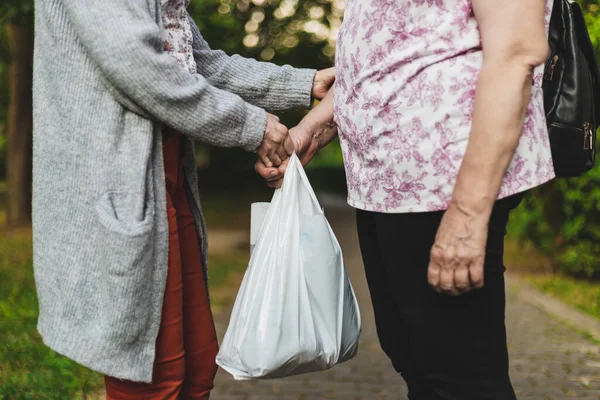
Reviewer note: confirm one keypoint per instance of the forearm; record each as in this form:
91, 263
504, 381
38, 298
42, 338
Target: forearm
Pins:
319, 121
503, 93
262, 84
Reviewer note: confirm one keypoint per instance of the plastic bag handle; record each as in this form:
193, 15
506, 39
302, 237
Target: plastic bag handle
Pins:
297, 165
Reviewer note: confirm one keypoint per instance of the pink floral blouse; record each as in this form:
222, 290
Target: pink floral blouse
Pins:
178, 40
404, 92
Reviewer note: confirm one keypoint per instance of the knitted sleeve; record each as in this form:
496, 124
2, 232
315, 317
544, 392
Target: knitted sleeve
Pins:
125, 42
263, 84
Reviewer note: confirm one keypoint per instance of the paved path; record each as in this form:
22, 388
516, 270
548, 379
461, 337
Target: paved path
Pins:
549, 360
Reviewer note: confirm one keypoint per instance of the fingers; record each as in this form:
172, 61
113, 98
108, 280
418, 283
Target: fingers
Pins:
268, 173
447, 279
277, 136
462, 283
476, 274
274, 158
273, 176
433, 275
281, 154
434, 272
441, 263
452, 274
272, 151
263, 155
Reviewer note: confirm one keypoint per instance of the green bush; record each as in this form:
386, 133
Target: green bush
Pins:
562, 219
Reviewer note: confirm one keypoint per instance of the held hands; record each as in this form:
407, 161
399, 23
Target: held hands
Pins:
307, 140
458, 254
315, 131
305, 147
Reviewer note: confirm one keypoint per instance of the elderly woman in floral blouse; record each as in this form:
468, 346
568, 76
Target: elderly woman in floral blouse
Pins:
439, 109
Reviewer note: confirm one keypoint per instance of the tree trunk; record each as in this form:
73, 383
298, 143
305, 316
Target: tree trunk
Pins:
20, 124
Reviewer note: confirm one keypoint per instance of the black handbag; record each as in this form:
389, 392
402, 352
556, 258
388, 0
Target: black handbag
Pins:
571, 91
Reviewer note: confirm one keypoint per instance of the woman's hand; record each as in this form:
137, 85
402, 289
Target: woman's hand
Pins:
458, 254
323, 81
276, 146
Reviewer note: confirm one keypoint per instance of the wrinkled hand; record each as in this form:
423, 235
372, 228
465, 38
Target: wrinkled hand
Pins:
458, 254
316, 130
273, 175
306, 139
322, 83
276, 146
305, 147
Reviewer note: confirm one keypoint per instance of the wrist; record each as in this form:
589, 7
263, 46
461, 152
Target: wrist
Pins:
320, 131
477, 185
473, 207
253, 133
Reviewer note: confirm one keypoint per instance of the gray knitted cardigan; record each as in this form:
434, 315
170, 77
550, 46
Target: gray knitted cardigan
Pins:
103, 90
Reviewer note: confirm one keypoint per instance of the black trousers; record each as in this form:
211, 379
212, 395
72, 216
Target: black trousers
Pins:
451, 348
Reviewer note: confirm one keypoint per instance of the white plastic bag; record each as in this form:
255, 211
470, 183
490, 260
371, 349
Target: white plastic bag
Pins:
296, 311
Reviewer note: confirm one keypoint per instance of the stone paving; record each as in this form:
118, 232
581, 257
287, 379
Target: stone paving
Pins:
548, 360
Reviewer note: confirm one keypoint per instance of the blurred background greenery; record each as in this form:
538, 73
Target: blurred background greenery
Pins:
554, 238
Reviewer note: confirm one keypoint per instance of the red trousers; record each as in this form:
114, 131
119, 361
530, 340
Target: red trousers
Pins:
186, 346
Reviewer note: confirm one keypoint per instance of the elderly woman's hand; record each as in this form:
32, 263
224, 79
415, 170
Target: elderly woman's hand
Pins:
276, 146
458, 254
305, 144
323, 81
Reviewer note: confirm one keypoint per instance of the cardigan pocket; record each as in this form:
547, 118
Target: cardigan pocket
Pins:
125, 213
125, 244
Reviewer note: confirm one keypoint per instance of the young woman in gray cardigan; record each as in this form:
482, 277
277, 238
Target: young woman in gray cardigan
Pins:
107, 88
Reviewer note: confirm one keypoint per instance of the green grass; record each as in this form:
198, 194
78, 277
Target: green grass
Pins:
225, 273
221, 267
524, 260
581, 294
28, 369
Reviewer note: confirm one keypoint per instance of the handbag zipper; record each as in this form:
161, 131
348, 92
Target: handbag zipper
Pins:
588, 136
550, 71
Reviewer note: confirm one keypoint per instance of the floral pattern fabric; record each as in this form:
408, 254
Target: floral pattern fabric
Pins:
406, 72
178, 40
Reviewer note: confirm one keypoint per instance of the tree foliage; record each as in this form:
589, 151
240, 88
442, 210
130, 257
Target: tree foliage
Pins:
301, 33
